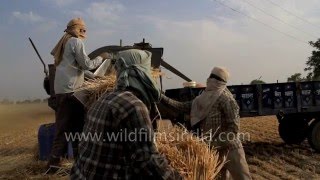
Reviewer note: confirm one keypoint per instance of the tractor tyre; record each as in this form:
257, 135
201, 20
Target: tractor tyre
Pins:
293, 131
314, 135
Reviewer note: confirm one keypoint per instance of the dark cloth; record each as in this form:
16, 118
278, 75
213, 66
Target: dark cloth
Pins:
69, 119
124, 156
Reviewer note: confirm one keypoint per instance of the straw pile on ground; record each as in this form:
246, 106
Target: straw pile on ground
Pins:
188, 154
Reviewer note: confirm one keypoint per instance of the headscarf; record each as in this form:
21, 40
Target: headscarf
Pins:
202, 104
75, 28
133, 69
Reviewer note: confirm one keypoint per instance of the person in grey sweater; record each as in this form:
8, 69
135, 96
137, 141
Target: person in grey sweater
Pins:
71, 61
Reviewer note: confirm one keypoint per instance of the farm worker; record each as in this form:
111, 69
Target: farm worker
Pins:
122, 146
71, 61
216, 112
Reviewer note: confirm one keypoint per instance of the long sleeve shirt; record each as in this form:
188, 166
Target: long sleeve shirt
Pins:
69, 74
125, 149
221, 126
223, 122
176, 105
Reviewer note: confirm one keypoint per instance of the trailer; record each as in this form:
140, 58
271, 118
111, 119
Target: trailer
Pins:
295, 104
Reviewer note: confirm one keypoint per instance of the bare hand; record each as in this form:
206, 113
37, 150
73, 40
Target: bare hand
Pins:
106, 55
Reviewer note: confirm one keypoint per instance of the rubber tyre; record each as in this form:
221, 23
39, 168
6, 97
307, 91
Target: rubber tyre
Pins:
314, 135
293, 131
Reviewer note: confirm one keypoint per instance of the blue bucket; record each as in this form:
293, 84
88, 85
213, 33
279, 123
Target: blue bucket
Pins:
46, 134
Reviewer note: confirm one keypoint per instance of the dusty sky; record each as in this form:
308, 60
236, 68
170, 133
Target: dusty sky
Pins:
195, 35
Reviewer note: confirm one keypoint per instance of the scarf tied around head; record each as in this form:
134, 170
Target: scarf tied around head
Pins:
75, 28
133, 69
203, 103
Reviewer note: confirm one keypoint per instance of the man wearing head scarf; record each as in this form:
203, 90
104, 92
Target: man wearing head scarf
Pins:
71, 61
216, 113
124, 147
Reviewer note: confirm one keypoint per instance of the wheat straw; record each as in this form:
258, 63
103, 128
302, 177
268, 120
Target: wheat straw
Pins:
99, 86
191, 156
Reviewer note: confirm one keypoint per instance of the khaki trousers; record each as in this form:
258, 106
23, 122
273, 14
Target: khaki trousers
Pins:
236, 167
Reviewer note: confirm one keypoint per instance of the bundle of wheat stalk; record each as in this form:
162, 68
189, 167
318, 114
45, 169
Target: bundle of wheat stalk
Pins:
96, 87
188, 154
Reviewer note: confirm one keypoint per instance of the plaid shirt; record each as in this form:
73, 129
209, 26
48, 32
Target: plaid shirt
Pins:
223, 120
127, 157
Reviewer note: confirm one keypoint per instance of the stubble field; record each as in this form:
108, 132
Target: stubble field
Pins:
268, 157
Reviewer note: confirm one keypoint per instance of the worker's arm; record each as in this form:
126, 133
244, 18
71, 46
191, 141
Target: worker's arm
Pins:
179, 106
231, 122
82, 58
230, 109
147, 162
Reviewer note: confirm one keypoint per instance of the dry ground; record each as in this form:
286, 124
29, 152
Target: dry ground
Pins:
270, 158
267, 156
